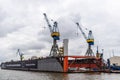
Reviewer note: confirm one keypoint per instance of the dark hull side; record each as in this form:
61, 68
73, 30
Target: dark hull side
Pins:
46, 64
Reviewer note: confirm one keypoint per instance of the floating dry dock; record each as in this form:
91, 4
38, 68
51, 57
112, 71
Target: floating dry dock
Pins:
58, 64
59, 60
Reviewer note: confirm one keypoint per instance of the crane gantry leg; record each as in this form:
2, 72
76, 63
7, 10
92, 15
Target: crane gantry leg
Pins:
55, 35
54, 50
89, 51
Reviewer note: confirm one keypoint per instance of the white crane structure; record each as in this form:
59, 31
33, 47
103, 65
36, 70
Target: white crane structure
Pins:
55, 35
89, 40
20, 54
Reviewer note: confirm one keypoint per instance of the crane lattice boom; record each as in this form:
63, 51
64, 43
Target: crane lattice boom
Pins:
50, 27
81, 31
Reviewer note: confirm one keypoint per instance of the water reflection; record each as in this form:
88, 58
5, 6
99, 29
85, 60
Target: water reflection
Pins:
27, 75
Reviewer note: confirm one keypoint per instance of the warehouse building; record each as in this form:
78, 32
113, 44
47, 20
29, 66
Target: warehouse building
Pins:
115, 60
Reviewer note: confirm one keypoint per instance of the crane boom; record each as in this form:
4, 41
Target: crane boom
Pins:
50, 27
81, 31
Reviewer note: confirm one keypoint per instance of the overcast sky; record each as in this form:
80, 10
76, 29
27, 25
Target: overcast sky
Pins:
22, 26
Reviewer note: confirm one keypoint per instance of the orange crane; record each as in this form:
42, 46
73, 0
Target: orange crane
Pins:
55, 35
89, 40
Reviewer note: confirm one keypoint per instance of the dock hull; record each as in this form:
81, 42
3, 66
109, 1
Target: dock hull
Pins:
46, 64
57, 64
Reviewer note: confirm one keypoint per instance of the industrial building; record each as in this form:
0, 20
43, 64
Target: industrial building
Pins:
115, 60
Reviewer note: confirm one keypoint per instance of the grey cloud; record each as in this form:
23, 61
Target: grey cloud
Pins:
95, 15
9, 29
3, 15
29, 46
45, 35
67, 28
8, 23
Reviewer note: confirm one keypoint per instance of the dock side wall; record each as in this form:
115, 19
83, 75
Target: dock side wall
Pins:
50, 64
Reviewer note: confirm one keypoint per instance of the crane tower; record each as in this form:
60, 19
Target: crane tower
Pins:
20, 54
55, 35
89, 40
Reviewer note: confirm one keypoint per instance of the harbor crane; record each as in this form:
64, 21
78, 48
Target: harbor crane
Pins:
89, 40
20, 54
55, 35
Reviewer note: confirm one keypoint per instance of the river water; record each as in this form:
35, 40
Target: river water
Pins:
28, 75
